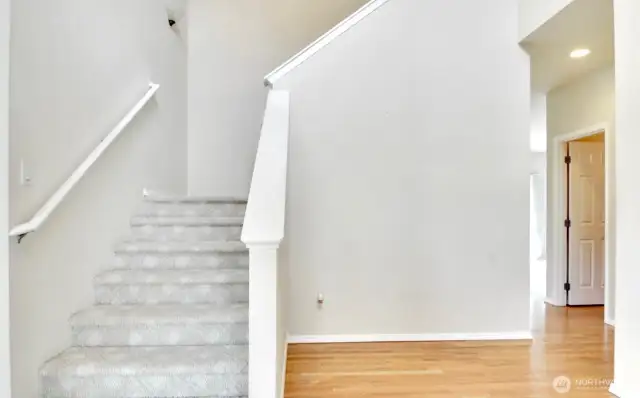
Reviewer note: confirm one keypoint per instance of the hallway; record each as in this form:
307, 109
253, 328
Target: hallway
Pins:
571, 342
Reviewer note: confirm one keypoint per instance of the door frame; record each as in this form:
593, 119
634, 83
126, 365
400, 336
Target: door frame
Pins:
556, 261
5, 346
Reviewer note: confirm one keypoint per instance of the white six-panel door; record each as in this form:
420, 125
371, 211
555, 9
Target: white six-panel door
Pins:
586, 234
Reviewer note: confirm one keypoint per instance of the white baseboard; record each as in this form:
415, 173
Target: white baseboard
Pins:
614, 391
284, 368
374, 338
554, 302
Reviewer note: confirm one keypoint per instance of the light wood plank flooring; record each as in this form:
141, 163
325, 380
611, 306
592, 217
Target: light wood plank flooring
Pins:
572, 342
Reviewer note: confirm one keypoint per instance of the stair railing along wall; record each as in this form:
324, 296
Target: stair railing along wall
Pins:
263, 232
170, 313
61, 193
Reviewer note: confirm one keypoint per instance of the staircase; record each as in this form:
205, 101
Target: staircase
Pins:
171, 312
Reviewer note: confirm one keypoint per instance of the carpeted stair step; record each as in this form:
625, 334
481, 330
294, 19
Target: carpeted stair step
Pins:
172, 313
159, 325
187, 228
193, 286
136, 372
146, 254
159, 205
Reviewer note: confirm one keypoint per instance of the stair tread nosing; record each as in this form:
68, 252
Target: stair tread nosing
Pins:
186, 221
134, 246
160, 314
174, 199
171, 276
85, 361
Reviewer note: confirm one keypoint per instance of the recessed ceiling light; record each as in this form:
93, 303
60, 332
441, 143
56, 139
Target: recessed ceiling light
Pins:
580, 53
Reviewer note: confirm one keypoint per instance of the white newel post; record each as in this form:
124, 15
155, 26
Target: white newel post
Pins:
262, 232
263, 296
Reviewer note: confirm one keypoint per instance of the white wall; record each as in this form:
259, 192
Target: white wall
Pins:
579, 105
408, 202
233, 44
77, 68
538, 144
627, 146
538, 139
5, 363
534, 13
538, 202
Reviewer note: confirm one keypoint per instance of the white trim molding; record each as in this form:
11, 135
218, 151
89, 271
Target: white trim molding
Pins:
554, 302
54, 201
556, 260
283, 379
323, 41
613, 390
378, 338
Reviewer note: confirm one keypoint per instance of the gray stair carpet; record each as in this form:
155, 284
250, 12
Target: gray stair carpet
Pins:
171, 310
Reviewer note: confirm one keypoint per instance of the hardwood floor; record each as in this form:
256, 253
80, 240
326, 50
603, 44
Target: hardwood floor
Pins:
571, 342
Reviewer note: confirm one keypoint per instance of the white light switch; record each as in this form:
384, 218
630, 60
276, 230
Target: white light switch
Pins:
25, 178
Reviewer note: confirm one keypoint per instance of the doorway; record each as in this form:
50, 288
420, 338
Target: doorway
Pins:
579, 227
585, 220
